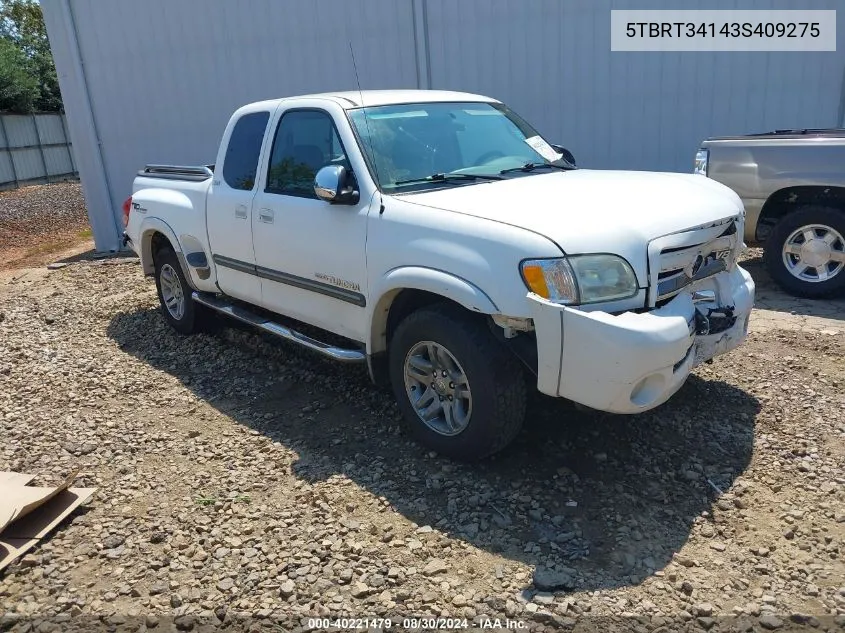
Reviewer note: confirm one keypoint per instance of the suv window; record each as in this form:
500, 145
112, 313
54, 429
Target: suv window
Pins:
305, 141
412, 141
241, 161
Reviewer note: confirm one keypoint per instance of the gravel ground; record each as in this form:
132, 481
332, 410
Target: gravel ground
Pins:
246, 483
38, 220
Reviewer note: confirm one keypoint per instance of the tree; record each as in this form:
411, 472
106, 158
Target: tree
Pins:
18, 88
22, 24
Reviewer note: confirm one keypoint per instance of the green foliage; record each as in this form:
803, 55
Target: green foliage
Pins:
22, 25
18, 88
288, 175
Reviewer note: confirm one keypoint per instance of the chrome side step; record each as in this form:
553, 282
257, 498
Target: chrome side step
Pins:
242, 314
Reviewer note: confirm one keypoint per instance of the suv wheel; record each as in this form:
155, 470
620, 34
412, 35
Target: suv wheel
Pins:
174, 293
460, 391
805, 254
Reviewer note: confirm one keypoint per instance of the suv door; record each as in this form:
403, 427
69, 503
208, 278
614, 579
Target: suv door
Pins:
229, 207
310, 254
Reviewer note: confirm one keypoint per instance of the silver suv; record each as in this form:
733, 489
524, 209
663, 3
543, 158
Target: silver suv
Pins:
792, 183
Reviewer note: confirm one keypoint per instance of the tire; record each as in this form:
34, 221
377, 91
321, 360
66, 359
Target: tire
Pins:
785, 268
494, 377
170, 281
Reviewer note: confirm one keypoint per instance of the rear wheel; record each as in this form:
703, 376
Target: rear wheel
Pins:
460, 391
805, 253
174, 293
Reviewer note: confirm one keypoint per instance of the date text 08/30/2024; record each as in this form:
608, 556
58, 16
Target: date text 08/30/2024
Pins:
444, 624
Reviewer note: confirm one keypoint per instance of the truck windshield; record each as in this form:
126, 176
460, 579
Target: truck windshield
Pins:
420, 145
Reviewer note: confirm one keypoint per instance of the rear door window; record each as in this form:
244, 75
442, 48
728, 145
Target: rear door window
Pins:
241, 162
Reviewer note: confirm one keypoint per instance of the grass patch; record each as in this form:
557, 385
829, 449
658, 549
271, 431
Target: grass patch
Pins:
55, 245
47, 247
208, 501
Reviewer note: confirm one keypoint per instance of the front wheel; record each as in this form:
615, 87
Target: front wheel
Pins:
460, 391
805, 254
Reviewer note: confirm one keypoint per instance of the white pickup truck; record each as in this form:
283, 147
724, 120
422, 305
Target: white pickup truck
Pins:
452, 249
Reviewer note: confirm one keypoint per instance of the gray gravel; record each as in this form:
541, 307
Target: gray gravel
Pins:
53, 204
243, 482
38, 220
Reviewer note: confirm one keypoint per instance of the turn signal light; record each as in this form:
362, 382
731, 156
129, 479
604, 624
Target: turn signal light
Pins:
552, 279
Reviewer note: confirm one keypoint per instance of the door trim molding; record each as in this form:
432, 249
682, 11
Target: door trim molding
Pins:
341, 294
234, 264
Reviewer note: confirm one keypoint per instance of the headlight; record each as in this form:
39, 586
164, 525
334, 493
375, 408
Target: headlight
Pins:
702, 157
580, 279
603, 278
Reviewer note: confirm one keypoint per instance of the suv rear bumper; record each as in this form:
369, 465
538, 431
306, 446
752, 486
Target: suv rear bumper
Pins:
634, 362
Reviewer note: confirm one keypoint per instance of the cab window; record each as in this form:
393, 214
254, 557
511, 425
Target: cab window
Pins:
305, 141
241, 161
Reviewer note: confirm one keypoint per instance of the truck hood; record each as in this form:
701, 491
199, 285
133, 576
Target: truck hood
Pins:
594, 211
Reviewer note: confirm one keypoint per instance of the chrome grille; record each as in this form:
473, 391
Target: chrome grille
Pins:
680, 259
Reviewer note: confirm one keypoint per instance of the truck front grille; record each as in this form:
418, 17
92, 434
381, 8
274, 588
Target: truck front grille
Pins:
677, 260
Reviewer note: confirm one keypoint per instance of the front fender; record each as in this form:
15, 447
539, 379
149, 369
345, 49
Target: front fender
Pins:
440, 283
431, 280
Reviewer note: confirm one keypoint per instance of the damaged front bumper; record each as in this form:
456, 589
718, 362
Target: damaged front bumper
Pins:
633, 362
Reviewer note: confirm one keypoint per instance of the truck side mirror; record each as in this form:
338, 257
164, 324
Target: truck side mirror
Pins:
333, 185
567, 155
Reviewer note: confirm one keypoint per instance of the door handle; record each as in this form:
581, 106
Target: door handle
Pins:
240, 211
266, 215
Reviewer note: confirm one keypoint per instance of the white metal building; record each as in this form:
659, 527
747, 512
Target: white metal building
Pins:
155, 81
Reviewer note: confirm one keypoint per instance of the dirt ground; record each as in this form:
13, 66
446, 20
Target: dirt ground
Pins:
244, 483
41, 221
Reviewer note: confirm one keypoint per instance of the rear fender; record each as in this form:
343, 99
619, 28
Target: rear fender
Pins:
152, 205
151, 226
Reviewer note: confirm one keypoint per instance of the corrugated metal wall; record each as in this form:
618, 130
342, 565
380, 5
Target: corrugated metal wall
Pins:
33, 148
550, 60
163, 77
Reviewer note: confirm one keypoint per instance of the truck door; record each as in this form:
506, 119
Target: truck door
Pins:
229, 206
310, 254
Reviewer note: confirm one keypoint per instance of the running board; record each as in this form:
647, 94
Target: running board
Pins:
241, 314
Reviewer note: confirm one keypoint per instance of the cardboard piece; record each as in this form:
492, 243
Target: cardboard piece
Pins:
29, 513
19, 479
6, 516
7, 511
18, 500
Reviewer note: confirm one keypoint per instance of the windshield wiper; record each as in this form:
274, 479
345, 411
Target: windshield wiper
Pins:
533, 166
445, 177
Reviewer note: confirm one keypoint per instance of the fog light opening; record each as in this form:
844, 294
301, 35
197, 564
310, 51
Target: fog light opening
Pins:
648, 389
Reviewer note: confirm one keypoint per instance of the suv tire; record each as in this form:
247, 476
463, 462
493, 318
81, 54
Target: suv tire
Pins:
446, 365
805, 253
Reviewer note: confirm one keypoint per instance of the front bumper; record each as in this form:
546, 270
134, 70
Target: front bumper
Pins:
634, 362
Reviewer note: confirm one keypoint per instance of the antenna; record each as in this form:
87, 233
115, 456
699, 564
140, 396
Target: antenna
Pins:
367, 124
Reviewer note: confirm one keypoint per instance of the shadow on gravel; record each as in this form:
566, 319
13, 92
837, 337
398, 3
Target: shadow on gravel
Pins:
770, 297
85, 256
609, 497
